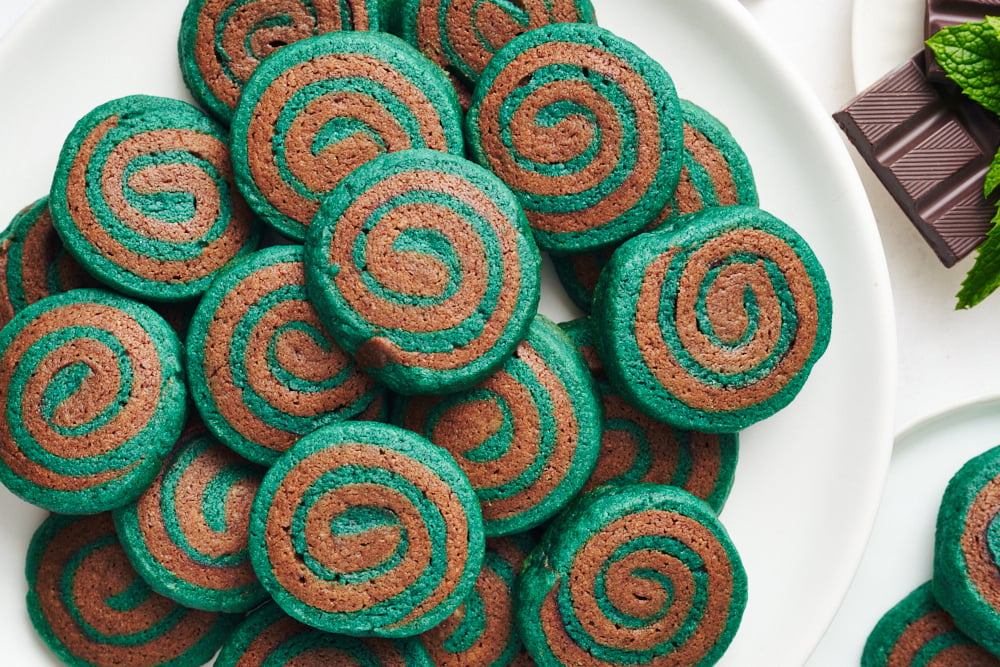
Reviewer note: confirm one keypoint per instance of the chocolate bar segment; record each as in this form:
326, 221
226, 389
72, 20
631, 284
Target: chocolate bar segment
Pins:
943, 13
931, 147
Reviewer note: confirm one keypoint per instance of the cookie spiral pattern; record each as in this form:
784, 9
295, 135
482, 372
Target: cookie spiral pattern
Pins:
367, 530
93, 398
917, 631
635, 575
223, 41
586, 130
92, 608
422, 266
270, 637
263, 370
527, 436
732, 311
188, 533
322, 107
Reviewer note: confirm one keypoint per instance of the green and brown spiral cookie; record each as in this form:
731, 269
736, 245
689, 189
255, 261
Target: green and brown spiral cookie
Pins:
143, 198
481, 631
716, 325
323, 106
527, 436
366, 529
263, 370
586, 130
223, 41
270, 637
918, 632
91, 607
638, 448
967, 550
642, 574
716, 172
93, 398
188, 533
421, 264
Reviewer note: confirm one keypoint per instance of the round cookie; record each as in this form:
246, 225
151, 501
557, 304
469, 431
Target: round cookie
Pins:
93, 398
481, 632
716, 172
223, 41
632, 575
527, 436
143, 198
366, 529
6, 306
188, 533
966, 548
91, 608
323, 106
918, 632
732, 311
637, 448
586, 130
270, 637
263, 370
422, 266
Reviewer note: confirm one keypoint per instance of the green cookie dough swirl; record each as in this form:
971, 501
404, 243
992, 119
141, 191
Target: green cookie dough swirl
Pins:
917, 632
143, 198
91, 608
93, 398
481, 631
732, 310
323, 106
633, 575
422, 266
188, 533
716, 172
366, 529
586, 130
527, 436
263, 369
636, 448
270, 638
223, 41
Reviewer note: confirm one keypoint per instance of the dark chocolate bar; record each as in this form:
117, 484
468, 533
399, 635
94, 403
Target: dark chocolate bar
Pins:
931, 147
943, 13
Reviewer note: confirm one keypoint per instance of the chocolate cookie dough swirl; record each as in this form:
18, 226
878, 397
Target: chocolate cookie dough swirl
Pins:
366, 529
143, 198
527, 436
91, 608
263, 370
188, 533
586, 130
917, 631
93, 398
421, 265
732, 311
270, 637
481, 631
634, 575
322, 107
637, 448
223, 41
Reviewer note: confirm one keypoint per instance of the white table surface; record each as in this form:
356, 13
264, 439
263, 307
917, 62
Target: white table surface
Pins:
946, 357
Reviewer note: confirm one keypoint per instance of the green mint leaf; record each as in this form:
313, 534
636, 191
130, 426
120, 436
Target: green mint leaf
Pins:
969, 53
992, 176
984, 276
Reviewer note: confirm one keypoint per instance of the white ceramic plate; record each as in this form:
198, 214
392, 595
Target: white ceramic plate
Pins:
884, 34
901, 552
809, 479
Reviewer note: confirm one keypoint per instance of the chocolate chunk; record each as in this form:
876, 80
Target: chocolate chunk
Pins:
931, 147
943, 13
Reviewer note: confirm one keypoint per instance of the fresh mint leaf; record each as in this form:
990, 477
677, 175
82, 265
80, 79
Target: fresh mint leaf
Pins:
984, 276
969, 53
992, 176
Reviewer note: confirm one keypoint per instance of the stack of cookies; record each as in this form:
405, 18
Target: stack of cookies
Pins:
275, 362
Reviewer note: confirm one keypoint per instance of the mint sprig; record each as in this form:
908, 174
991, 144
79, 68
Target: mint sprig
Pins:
969, 54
